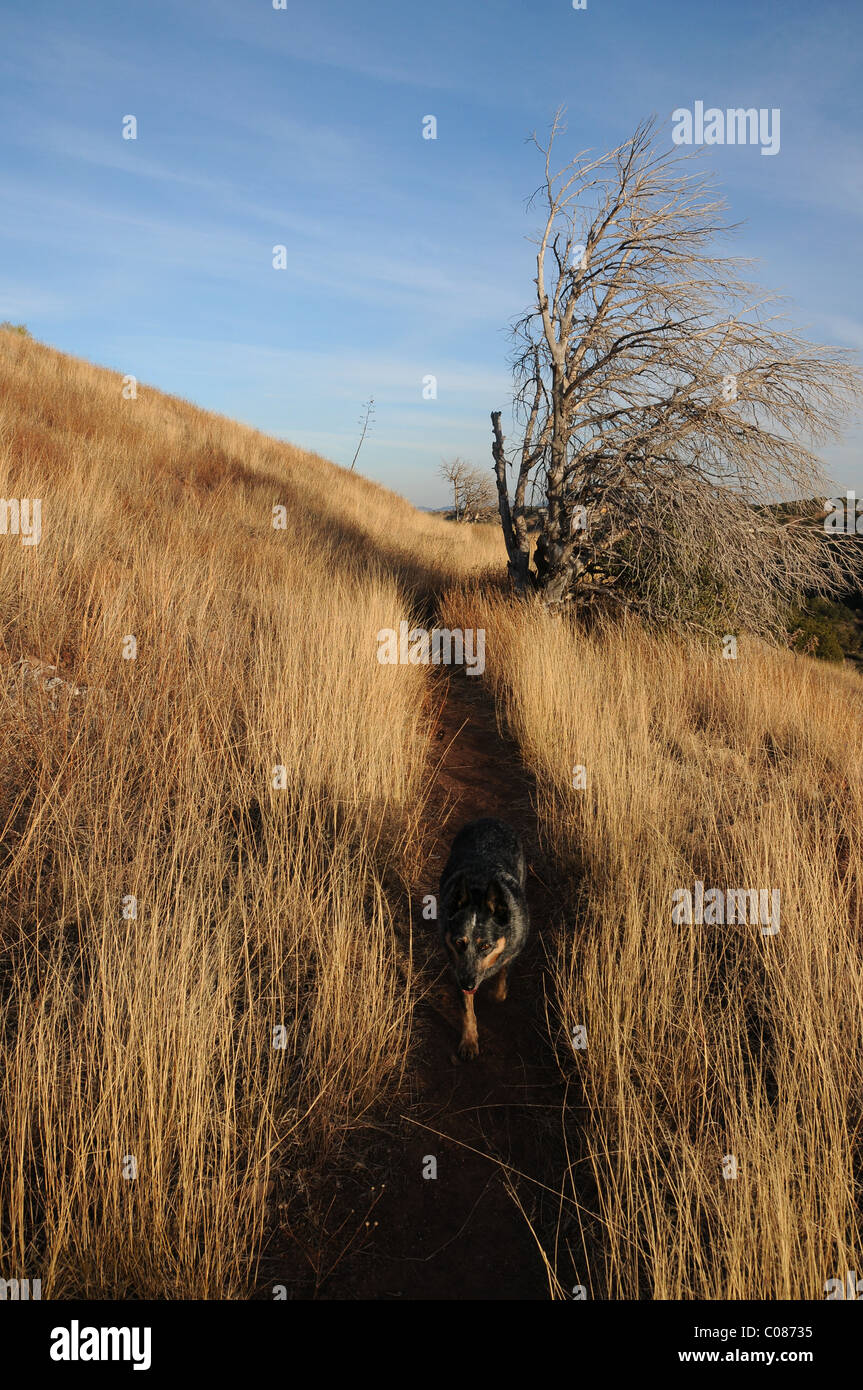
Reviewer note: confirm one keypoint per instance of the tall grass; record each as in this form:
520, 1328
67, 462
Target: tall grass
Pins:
170, 913
703, 1042
165, 904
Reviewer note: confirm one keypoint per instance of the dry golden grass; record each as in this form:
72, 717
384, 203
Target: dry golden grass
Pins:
153, 1037
702, 1041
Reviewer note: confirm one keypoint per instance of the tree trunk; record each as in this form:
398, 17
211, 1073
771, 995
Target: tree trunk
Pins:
518, 565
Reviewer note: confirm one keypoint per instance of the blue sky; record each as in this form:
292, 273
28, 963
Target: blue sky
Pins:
405, 257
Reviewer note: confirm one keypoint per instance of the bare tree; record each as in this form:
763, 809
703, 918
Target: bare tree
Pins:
472, 488
455, 471
477, 492
662, 407
365, 420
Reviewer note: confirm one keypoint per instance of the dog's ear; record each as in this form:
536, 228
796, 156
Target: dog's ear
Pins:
457, 895
497, 902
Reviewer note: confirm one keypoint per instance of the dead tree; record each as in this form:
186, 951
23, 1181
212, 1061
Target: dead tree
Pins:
477, 492
365, 420
454, 471
662, 404
471, 487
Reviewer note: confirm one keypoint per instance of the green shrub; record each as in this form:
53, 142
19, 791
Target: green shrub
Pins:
824, 629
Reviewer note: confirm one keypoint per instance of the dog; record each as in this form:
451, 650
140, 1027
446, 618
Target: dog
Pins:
483, 919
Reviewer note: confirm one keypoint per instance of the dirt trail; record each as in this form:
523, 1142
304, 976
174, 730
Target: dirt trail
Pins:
461, 1235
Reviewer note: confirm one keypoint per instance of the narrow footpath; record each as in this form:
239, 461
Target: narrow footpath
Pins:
490, 1125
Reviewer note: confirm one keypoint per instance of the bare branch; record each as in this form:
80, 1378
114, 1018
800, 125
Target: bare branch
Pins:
664, 403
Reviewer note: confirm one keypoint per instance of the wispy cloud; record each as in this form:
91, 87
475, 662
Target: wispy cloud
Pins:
405, 258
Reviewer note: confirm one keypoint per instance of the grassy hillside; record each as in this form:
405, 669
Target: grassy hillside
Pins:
152, 1036
164, 906
702, 1041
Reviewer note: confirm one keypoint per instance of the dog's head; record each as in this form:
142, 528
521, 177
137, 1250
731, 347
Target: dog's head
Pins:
477, 928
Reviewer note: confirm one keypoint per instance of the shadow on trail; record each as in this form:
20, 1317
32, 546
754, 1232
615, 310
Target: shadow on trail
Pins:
489, 1125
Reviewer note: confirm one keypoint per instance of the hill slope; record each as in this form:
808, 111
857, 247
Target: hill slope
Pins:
195, 847
222, 1022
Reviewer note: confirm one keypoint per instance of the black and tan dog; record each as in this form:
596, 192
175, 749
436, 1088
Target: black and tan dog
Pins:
483, 915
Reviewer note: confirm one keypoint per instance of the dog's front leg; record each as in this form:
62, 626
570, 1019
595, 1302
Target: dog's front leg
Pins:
469, 1046
499, 989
